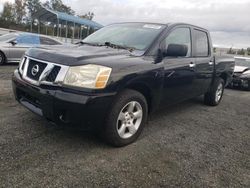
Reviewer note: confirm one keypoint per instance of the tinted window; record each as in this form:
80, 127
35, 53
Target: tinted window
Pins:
28, 39
48, 41
201, 44
180, 36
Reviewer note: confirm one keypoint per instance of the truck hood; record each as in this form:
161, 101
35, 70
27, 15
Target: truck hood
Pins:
78, 55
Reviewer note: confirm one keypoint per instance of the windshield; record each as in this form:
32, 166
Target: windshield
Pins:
138, 36
242, 62
7, 37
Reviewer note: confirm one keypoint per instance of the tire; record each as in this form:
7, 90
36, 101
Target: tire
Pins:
2, 58
126, 119
248, 89
215, 94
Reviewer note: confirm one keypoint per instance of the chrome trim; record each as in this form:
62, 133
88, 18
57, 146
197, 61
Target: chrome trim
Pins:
42, 79
21, 62
192, 65
211, 63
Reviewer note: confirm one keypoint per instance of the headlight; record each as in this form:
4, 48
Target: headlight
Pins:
88, 76
245, 76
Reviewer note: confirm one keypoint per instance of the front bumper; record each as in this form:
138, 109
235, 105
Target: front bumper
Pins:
66, 108
240, 82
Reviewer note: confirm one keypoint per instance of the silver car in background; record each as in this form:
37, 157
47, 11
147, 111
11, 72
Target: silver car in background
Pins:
14, 45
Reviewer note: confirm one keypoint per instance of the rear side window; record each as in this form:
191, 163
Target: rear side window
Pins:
48, 41
201, 43
180, 36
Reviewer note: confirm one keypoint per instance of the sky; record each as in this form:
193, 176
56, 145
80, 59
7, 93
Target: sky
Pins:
227, 20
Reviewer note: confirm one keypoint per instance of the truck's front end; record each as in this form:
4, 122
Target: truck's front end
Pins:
49, 90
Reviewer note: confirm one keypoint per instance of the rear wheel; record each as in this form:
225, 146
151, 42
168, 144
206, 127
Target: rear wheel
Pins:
126, 119
214, 96
2, 58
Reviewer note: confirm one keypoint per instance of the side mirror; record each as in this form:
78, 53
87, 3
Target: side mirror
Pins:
176, 50
13, 42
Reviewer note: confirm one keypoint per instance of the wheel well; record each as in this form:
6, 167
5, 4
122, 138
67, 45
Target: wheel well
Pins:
3, 55
224, 77
145, 91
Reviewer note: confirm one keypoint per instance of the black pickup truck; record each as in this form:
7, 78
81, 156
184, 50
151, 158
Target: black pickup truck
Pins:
115, 77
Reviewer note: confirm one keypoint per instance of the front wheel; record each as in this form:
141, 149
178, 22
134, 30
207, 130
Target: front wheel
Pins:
214, 95
126, 119
2, 58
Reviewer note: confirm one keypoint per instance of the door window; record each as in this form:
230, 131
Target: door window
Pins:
180, 36
201, 43
28, 39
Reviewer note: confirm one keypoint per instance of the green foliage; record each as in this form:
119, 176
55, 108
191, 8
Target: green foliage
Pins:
231, 51
248, 51
19, 7
32, 6
214, 50
8, 13
58, 5
89, 16
241, 52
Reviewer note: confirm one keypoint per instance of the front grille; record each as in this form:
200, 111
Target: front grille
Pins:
35, 74
39, 72
53, 74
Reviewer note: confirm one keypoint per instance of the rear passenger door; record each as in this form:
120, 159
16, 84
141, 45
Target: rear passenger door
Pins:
204, 62
23, 43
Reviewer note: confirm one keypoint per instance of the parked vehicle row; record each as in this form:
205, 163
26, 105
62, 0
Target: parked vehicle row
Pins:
14, 45
119, 74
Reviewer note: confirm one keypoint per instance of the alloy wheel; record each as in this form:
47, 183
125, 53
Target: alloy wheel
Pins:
219, 92
129, 119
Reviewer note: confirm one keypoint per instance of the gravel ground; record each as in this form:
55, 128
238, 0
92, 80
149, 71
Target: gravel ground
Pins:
187, 145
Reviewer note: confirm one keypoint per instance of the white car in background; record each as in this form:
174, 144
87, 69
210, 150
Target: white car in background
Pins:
241, 76
14, 45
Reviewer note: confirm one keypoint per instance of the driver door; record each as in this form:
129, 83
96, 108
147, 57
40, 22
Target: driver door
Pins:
22, 44
179, 72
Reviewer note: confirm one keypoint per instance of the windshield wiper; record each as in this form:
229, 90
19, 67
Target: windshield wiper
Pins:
117, 46
109, 44
88, 43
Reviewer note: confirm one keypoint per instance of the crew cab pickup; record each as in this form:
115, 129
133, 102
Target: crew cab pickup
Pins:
115, 77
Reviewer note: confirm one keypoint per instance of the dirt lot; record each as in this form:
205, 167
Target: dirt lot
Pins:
188, 145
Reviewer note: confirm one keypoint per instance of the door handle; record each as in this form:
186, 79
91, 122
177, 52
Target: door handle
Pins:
211, 63
192, 65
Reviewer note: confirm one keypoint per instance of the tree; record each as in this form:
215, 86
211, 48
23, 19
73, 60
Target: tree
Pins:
20, 12
231, 51
89, 16
241, 52
248, 51
58, 5
8, 13
32, 6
